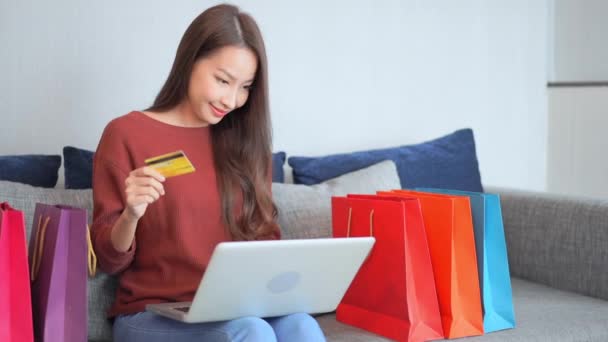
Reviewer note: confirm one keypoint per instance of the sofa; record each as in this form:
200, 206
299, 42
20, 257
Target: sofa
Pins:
557, 247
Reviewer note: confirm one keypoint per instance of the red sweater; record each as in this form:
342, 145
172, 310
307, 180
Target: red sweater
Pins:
177, 234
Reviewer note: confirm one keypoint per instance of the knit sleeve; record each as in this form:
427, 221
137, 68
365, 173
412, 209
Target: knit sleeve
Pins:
110, 169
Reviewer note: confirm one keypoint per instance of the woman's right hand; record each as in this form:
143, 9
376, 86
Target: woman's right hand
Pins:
143, 187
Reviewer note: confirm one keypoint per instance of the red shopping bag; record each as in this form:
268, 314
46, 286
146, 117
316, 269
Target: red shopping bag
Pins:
15, 298
449, 229
393, 294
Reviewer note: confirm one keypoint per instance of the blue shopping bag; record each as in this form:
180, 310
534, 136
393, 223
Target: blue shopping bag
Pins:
492, 260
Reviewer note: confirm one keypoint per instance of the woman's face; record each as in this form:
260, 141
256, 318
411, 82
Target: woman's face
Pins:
220, 83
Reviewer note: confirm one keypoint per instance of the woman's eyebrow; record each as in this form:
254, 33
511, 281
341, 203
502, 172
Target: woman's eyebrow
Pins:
230, 75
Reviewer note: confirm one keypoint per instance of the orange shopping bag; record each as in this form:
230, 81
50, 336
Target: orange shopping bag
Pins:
393, 294
449, 229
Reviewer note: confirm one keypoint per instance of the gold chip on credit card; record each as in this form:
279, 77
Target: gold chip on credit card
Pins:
171, 164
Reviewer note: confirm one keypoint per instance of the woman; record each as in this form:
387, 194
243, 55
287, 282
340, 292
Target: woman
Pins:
158, 234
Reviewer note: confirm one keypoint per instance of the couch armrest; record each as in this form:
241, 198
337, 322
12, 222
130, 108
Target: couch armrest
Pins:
557, 240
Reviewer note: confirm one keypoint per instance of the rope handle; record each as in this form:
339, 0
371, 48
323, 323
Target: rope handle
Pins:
371, 222
39, 247
91, 256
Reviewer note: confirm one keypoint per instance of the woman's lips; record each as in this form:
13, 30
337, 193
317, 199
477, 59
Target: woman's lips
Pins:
217, 112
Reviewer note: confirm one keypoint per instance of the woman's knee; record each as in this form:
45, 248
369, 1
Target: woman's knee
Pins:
297, 327
301, 322
252, 329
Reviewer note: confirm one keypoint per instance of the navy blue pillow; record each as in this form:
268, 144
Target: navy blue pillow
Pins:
79, 167
33, 169
278, 160
449, 162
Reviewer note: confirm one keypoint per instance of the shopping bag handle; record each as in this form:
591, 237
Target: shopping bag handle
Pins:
91, 256
39, 246
371, 222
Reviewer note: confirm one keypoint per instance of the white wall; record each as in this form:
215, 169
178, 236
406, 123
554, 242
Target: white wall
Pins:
579, 40
345, 75
578, 123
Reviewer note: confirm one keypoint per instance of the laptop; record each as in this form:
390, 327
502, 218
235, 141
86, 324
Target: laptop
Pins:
272, 278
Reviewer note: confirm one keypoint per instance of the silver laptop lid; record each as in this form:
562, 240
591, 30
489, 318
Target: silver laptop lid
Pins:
279, 277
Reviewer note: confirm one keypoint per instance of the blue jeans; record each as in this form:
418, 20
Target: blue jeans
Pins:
149, 327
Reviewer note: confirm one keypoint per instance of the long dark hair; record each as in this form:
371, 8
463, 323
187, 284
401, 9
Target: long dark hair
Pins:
244, 168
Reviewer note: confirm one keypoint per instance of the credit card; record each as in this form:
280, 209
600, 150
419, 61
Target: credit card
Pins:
171, 164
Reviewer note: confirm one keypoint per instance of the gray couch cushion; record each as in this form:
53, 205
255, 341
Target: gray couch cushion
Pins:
305, 210
542, 314
101, 289
24, 197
